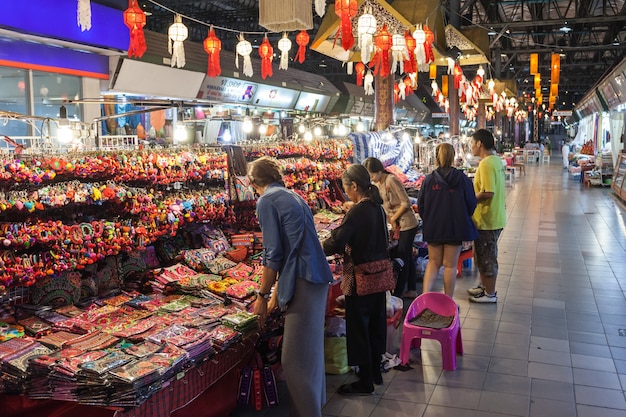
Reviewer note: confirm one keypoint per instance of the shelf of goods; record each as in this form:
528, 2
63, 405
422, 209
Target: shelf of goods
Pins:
618, 184
85, 237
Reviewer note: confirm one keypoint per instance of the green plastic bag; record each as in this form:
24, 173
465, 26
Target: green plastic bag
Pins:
335, 355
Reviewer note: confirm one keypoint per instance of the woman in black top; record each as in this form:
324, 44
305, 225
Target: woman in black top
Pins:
446, 203
363, 234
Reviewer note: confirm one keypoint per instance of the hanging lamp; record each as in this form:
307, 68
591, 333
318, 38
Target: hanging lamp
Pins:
346, 10
366, 28
534, 64
383, 43
359, 68
398, 52
428, 44
135, 19
410, 64
420, 37
284, 46
302, 39
213, 47
177, 33
244, 48
266, 52
555, 69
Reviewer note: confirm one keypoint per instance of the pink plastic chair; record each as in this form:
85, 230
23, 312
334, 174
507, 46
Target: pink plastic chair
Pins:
449, 337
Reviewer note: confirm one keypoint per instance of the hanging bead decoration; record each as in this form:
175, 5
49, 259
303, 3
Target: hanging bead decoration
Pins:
398, 53
244, 48
213, 47
410, 64
366, 28
302, 39
360, 72
284, 46
83, 15
346, 10
177, 33
381, 57
266, 52
135, 19
368, 82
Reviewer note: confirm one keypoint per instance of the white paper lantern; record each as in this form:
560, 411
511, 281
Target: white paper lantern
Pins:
366, 28
368, 84
284, 46
420, 38
398, 52
177, 33
244, 48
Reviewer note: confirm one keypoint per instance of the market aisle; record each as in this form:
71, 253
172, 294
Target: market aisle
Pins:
554, 344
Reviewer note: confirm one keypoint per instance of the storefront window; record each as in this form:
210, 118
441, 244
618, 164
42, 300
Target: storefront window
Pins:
50, 90
13, 99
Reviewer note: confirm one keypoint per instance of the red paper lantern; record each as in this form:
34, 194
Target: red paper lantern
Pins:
346, 10
213, 46
266, 52
383, 43
428, 44
359, 68
302, 39
458, 75
135, 19
410, 65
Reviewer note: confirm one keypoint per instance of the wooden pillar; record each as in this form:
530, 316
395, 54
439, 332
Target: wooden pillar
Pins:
455, 108
383, 87
481, 116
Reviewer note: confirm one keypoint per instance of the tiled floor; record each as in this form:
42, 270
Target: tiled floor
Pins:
553, 345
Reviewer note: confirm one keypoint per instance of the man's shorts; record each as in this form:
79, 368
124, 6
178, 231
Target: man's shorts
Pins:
486, 252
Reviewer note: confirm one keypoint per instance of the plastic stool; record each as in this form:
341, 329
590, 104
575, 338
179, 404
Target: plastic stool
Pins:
465, 255
545, 159
449, 337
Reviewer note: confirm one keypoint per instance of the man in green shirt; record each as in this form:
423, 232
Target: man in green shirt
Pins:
489, 216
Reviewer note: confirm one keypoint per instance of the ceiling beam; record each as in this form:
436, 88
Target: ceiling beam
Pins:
555, 22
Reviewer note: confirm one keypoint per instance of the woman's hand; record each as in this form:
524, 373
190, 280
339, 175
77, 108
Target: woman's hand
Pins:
347, 205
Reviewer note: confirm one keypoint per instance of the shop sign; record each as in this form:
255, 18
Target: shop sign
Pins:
440, 115
562, 113
276, 97
227, 90
312, 102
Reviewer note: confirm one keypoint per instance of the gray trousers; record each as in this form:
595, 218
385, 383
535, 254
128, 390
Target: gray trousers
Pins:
303, 349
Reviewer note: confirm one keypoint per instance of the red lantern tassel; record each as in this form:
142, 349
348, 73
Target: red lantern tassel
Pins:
360, 72
410, 65
302, 39
137, 45
428, 45
266, 52
213, 46
346, 10
458, 74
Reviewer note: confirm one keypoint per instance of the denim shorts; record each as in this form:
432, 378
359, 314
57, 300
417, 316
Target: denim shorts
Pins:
486, 252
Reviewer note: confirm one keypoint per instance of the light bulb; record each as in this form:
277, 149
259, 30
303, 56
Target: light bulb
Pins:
247, 125
308, 136
180, 134
301, 128
227, 137
263, 129
342, 130
64, 134
317, 131
360, 127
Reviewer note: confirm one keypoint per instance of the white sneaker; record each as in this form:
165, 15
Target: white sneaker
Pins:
476, 290
483, 297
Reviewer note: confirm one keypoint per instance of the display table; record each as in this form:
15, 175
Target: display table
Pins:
207, 390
